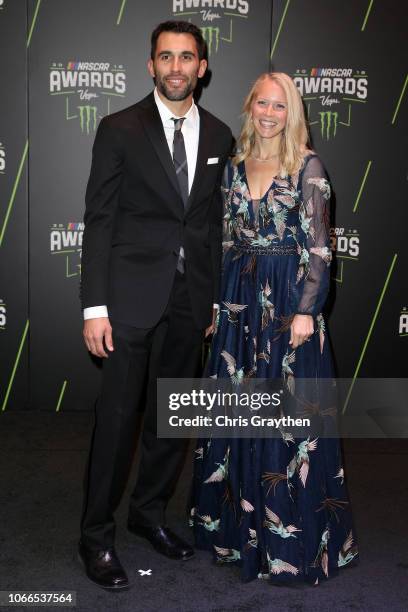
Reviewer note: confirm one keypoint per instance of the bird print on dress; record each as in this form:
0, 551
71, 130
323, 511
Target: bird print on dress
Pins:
221, 472
275, 506
300, 462
275, 525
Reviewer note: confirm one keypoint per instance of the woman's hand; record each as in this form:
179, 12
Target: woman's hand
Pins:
300, 330
211, 328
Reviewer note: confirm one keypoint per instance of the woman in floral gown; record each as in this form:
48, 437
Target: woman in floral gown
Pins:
277, 507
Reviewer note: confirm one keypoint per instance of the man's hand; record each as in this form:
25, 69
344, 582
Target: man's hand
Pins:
211, 328
96, 331
300, 330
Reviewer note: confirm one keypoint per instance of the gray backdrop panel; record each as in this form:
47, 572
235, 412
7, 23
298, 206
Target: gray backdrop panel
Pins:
323, 34
13, 210
62, 129
360, 140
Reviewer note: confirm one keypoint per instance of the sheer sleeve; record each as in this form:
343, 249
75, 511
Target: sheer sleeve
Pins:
227, 192
314, 214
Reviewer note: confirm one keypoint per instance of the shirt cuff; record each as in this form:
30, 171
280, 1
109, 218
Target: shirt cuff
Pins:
95, 312
216, 306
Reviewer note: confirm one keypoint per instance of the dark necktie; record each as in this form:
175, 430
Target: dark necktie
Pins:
180, 159
180, 165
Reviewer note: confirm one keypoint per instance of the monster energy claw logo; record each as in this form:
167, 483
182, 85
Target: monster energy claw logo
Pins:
88, 88
216, 18
326, 89
328, 124
87, 114
211, 36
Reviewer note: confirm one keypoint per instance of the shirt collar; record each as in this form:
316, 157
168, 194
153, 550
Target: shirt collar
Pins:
191, 116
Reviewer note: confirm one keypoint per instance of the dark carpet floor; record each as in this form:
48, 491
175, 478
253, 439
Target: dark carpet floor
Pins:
41, 467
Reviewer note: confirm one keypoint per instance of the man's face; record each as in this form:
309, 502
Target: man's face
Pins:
176, 65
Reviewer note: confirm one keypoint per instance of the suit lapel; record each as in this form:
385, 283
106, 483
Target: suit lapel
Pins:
202, 156
154, 131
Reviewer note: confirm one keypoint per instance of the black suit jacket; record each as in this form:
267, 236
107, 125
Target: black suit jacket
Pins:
135, 221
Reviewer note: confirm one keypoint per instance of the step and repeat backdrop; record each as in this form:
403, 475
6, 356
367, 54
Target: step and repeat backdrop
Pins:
66, 64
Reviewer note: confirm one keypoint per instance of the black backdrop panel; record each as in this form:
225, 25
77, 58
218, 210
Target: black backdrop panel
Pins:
88, 59
13, 207
347, 62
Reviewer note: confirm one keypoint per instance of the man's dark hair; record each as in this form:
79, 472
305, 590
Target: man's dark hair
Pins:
179, 27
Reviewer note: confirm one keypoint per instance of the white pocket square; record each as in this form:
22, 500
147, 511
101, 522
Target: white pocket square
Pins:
213, 160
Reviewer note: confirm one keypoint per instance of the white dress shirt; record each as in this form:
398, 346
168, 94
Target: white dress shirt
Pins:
191, 133
190, 130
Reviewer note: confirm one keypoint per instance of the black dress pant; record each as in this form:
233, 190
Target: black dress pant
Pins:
171, 349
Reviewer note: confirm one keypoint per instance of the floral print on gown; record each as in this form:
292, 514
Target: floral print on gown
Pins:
277, 507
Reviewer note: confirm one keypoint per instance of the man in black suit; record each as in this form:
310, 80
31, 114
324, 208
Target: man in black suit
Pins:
150, 280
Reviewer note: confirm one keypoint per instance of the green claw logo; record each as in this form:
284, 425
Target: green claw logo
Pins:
87, 116
328, 124
211, 36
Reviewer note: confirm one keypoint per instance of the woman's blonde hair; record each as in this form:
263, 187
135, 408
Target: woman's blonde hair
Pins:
295, 136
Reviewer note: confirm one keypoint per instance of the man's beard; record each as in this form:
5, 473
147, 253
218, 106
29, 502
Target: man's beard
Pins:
179, 94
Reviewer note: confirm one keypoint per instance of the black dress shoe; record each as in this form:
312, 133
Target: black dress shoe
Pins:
103, 567
163, 540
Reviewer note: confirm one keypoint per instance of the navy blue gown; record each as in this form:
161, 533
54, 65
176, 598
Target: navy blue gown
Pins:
276, 507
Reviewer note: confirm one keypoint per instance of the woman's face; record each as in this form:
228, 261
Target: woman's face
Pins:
269, 109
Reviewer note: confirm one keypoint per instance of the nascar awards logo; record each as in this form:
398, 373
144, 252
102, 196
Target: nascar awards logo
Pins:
66, 240
403, 322
215, 17
345, 246
87, 89
2, 158
330, 95
3, 315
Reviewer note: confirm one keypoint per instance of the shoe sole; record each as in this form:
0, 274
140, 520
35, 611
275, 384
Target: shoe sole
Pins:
137, 535
119, 587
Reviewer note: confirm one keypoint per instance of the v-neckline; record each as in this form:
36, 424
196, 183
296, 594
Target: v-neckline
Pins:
244, 173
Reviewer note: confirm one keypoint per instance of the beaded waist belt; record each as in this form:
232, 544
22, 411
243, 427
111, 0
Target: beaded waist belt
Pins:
272, 250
